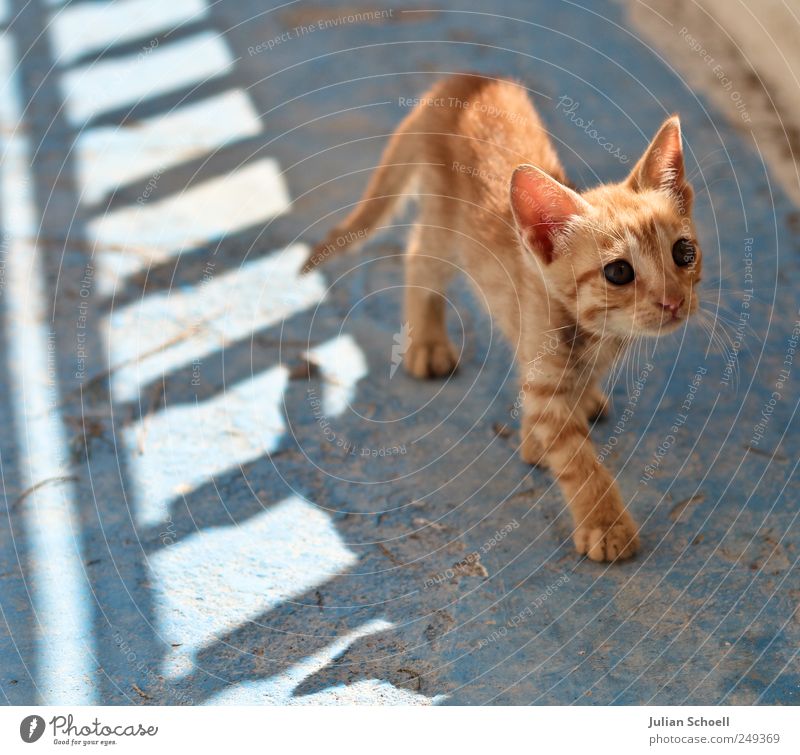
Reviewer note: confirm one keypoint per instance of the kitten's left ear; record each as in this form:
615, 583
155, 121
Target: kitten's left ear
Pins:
661, 167
542, 208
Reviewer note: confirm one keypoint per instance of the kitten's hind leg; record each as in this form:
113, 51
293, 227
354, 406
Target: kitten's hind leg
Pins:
429, 352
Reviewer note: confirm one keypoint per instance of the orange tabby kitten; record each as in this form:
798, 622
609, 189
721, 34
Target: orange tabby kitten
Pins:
570, 278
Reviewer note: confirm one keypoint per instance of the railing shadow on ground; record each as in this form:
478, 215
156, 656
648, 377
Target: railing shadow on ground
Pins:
399, 610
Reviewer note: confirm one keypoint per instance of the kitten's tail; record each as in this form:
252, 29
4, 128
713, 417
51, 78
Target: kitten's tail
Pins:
387, 186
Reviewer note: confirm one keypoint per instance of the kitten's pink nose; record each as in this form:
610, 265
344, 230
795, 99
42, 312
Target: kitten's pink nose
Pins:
672, 303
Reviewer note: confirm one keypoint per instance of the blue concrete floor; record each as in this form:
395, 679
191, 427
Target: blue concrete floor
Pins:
212, 527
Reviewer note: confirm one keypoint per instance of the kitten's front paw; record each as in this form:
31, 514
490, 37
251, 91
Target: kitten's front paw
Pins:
430, 359
604, 542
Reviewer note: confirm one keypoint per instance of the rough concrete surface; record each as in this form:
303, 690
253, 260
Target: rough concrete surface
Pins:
217, 489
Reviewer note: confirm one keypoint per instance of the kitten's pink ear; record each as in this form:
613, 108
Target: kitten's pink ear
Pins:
661, 167
542, 206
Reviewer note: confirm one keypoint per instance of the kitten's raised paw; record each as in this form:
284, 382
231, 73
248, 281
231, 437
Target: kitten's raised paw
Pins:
431, 359
608, 543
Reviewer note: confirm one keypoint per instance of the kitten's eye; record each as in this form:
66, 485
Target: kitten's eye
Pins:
683, 252
619, 272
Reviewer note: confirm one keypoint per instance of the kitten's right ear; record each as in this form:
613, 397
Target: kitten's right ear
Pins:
542, 207
661, 167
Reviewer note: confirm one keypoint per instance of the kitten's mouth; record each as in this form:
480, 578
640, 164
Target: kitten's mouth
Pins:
673, 321
665, 326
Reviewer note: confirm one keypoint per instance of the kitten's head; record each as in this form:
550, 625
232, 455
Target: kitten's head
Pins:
624, 258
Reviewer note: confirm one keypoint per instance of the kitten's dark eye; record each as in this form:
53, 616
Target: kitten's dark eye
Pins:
619, 272
683, 252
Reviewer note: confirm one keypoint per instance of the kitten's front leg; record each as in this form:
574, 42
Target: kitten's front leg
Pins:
594, 403
604, 530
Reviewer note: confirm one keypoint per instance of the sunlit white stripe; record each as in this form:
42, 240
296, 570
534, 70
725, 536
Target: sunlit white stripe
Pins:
82, 28
175, 450
279, 690
164, 332
343, 364
108, 157
99, 87
61, 600
218, 579
134, 237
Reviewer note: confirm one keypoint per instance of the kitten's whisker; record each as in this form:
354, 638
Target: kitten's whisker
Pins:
724, 341
714, 338
728, 319
561, 327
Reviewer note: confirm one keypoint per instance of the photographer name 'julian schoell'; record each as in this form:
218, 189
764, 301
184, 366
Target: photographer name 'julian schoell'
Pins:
690, 721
